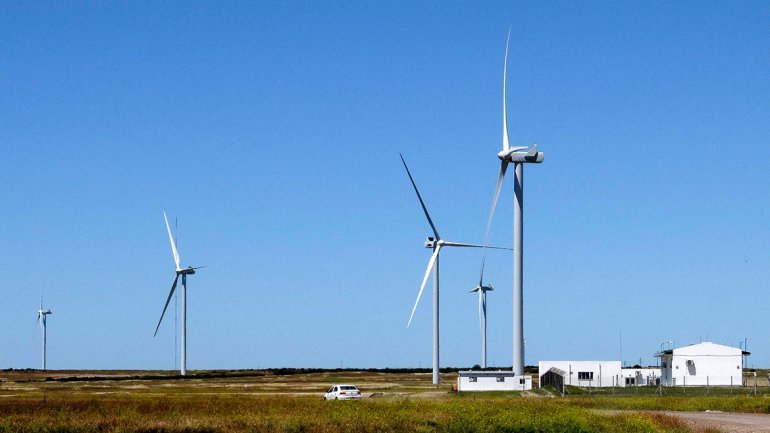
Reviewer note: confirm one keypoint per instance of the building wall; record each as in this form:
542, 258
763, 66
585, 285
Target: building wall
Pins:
640, 376
490, 382
701, 365
587, 373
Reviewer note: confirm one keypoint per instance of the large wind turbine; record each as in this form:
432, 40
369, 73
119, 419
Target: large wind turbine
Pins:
435, 243
41, 318
184, 273
518, 156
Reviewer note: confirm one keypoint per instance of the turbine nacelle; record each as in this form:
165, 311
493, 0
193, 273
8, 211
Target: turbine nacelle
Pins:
521, 154
187, 271
482, 288
44, 312
432, 243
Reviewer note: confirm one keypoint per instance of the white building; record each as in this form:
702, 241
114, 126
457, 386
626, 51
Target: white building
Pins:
704, 364
586, 373
639, 376
492, 381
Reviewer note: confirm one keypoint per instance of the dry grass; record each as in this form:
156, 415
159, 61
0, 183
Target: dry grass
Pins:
259, 413
262, 402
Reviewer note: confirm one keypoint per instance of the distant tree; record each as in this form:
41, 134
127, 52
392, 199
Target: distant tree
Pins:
476, 367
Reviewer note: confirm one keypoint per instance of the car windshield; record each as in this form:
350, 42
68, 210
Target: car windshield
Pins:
348, 388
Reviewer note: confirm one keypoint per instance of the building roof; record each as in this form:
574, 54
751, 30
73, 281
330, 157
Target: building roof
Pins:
558, 371
705, 348
485, 373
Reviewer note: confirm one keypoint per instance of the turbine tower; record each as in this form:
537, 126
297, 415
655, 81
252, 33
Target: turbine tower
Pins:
41, 318
435, 243
518, 156
183, 273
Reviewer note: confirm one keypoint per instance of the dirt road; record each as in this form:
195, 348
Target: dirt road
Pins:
726, 422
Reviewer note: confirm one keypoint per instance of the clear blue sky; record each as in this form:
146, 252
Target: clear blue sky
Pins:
272, 131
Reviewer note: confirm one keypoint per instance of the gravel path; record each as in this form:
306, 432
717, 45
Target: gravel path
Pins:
726, 422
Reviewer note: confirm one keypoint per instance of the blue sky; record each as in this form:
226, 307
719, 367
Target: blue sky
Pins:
272, 131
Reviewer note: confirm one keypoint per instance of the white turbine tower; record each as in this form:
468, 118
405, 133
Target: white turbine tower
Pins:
184, 273
435, 243
41, 319
518, 156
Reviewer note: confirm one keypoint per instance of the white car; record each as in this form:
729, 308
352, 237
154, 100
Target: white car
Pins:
343, 392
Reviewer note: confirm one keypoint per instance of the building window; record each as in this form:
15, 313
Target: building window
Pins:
521, 381
473, 379
630, 380
501, 378
585, 375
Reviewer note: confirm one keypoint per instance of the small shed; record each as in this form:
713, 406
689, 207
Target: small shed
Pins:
702, 364
492, 381
553, 377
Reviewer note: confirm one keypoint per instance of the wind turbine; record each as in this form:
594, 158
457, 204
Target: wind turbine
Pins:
435, 243
518, 156
183, 273
41, 318
482, 290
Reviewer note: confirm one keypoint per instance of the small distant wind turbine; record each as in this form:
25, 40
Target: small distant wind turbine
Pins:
184, 273
41, 319
435, 243
482, 291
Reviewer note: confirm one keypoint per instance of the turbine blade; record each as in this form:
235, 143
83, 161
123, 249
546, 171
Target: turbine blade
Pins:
170, 294
458, 244
431, 262
422, 203
506, 143
173, 244
498, 187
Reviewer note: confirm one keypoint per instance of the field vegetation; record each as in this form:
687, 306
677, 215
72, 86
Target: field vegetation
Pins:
262, 401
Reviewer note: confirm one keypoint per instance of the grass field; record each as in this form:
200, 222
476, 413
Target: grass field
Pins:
261, 401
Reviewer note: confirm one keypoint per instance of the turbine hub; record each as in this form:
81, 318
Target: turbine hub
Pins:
507, 155
187, 271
